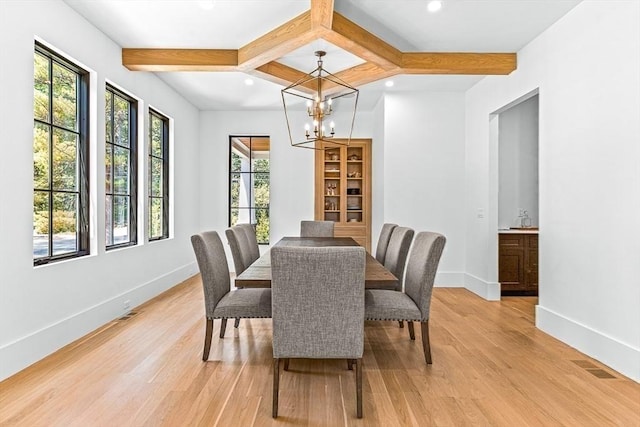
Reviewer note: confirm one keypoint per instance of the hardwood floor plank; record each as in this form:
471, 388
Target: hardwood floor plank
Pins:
491, 367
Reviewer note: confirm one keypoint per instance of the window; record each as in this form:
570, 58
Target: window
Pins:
120, 169
60, 158
249, 183
158, 176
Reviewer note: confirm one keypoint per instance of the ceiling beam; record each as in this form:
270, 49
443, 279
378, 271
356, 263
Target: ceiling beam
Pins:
180, 59
355, 39
282, 74
277, 43
458, 63
322, 13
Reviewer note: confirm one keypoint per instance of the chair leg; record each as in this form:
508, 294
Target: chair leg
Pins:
412, 334
237, 323
276, 381
426, 346
207, 339
286, 364
223, 327
400, 324
359, 387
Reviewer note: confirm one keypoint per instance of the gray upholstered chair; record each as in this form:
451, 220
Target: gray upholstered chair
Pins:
237, 241
221, 302
383, 241
316, 228
397, 251
318, 308
254, 249
413, 304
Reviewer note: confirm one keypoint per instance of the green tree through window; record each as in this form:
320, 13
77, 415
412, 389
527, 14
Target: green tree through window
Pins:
249, 183
60, 158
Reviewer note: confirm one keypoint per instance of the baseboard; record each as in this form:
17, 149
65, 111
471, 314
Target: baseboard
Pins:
619, 356
487, 290
19, 354
449, 279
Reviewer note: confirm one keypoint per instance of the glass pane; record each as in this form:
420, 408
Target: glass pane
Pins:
40, 156
41, 87
40, 224
108, 220
120, 170
108, 168
65, 156
244, 216
259, 161
156, 177
236, 162
65, 220
155, 218
64, 97
234, 216
156, 137
261, 190
121, 219
121, 121
235, 190
107, 116
262, 225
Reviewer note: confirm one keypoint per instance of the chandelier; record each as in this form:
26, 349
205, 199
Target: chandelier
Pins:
309, 103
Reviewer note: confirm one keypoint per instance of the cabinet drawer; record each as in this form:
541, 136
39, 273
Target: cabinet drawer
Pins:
533, 241
511, 240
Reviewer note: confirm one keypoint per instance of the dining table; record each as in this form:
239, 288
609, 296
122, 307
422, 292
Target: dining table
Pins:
258, 274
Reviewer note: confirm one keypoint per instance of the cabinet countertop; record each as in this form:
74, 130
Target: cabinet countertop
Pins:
519, 231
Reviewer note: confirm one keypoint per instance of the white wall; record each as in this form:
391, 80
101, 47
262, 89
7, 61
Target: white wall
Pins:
44, 308
587, 69
292, 169
518, 163
424, 170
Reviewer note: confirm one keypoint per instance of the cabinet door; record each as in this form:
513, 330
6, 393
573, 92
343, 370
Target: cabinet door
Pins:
511, 265
531, 263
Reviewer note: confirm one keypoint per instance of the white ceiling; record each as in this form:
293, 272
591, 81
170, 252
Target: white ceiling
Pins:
460, 26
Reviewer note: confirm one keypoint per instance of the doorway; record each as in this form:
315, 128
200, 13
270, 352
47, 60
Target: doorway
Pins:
517, 130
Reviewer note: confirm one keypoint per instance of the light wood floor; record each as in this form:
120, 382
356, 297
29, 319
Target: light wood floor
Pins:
491, 366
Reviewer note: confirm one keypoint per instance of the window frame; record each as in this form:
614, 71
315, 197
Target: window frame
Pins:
252, 173
133, 166
82, 161
165, 175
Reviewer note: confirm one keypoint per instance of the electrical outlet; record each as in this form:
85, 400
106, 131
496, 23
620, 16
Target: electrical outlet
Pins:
127, 305
480, 213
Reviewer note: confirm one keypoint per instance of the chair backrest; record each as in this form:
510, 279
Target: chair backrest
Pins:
237, 240
383, 241
397, 251
317, 300
316, 228
254, 249
422, 267
213, 266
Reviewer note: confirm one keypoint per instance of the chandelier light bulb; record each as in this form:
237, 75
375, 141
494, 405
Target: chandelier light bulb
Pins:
434, 6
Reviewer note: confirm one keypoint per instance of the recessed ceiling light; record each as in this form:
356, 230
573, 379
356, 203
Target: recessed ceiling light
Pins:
248, 82
434, 6
388, 83
207, 4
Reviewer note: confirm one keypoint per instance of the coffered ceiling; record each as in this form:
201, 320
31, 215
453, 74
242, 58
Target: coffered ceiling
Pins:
207, 49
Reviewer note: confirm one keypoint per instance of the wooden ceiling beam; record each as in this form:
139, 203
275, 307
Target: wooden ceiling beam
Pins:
322, 13
355, 39
282, 74
180, 59
458, 63
277, 43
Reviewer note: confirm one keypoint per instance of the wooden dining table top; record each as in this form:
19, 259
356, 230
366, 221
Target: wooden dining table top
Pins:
258, 274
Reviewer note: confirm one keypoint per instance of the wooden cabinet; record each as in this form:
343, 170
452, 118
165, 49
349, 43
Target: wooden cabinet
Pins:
518, 264
343, 189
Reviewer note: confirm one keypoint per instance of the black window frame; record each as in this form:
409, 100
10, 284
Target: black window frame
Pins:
165, 175
82, 160
133, 166
251, 172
